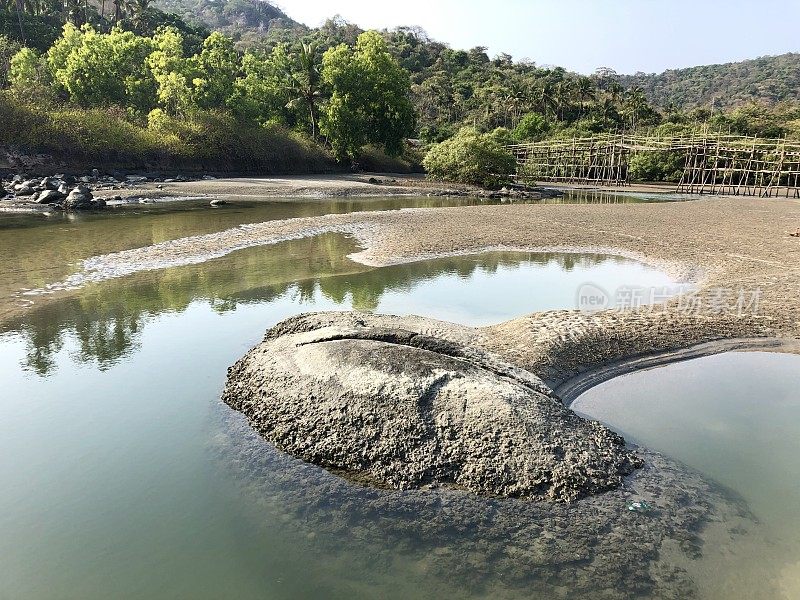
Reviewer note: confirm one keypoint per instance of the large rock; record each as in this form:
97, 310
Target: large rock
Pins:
49, 196
393, 407
80, 198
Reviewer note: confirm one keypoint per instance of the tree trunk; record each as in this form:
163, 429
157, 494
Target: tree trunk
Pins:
20, 9
313, 111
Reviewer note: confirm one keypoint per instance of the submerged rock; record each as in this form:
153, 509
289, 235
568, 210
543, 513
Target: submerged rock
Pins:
399, 409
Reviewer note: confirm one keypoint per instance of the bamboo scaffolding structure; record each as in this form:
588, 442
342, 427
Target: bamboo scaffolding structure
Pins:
713, 163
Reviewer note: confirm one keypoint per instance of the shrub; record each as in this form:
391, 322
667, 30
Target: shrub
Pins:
8, 48
656, 166
470, 157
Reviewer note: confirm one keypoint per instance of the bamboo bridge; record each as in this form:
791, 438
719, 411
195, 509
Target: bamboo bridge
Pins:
712, 163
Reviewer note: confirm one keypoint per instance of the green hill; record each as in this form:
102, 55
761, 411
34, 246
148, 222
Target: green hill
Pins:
246, 21
768, 79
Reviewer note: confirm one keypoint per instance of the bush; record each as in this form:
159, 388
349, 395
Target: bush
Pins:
8, 48
470, 157
656, 166
373, 159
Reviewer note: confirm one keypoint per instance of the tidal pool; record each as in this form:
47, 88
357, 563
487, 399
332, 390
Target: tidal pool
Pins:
123, 474
45, 247
734, 417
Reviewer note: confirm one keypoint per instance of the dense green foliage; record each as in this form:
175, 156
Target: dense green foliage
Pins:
348, 89
370, 101
207, 140
470, 157
355, 95
656, 166
767, 79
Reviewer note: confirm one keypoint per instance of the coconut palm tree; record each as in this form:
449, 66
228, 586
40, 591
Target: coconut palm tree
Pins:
304, 83
585, 90
635, 105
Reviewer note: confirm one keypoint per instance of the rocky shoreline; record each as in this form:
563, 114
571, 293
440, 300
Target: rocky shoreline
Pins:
84, 192
94, 191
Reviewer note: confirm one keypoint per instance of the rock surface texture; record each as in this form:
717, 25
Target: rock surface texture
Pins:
402, 409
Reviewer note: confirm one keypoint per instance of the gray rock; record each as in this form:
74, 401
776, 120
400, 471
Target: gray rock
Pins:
64, 189
395, 408
50, 183
24, 190
217, 202
78, 202
79, 198
49, 197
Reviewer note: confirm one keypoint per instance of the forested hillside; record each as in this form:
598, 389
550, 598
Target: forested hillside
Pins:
246, 21
231, 73
767, 79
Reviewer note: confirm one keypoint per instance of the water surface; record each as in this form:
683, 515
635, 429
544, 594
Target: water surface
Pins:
110, 410
734, 417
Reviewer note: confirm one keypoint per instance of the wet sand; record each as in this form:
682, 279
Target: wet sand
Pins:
300, 186
736, 251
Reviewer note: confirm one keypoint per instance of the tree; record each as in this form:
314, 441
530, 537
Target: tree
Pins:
8, 48
28, 76
214, 71
169, 68
636, 107
585, 90
532, 127
305, 84
98, 69
261, 93
137, 12
370, 99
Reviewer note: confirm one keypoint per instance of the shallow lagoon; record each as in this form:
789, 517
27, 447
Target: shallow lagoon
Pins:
110, 410
115, 452
736, 418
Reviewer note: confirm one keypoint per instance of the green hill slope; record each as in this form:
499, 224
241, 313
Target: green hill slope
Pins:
767, 79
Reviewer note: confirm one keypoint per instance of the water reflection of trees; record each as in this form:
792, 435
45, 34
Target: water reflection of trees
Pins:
105, 320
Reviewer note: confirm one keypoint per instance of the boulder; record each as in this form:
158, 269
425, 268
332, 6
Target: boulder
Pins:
49, 197
79, 198
24, 190
395, 408
50, 183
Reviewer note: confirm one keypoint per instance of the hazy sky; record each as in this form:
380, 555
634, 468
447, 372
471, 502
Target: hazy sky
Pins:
581, 35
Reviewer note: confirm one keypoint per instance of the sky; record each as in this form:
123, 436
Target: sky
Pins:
582, 35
